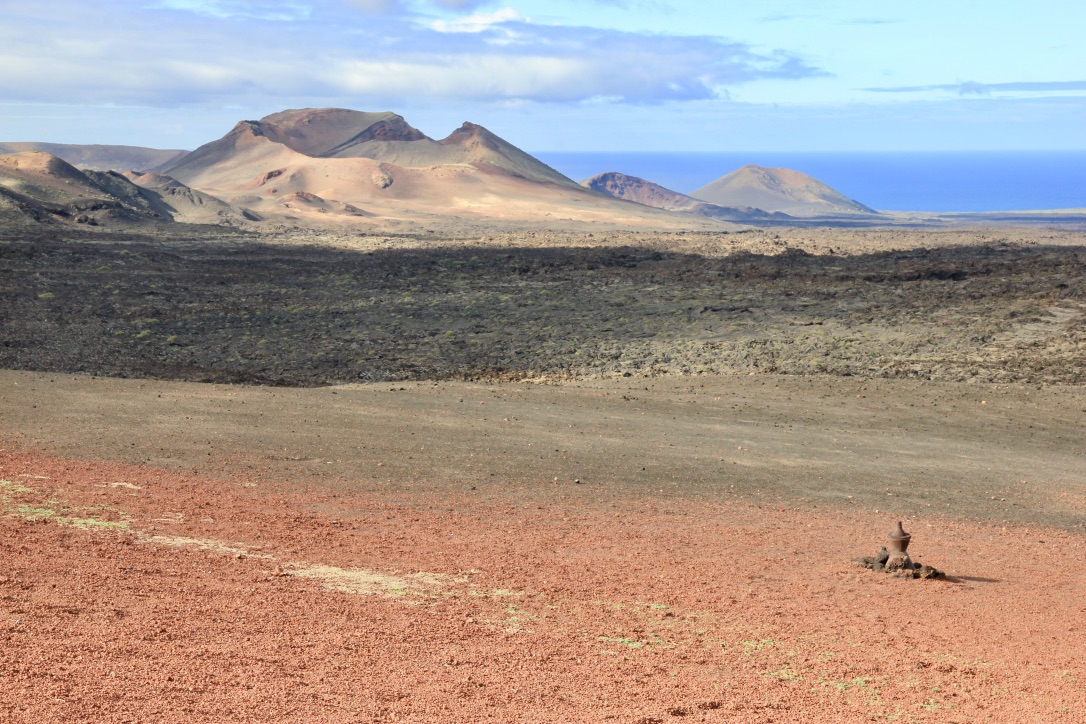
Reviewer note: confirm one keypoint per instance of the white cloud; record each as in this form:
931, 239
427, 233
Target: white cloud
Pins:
478, 22
402, 6
375, 6
459, 4
480, 77
260, 9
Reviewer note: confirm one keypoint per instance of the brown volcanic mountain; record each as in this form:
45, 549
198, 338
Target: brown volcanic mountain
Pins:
336, 133
779, 189
330, 166
97, 157
387, 137
638, 190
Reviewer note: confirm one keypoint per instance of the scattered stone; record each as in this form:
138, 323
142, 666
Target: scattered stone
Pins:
896, 568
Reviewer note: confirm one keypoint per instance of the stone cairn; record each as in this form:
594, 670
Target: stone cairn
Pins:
893, 558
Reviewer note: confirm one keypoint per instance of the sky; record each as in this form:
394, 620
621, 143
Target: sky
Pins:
558, 75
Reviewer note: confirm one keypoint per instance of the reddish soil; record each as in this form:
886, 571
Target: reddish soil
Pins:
200, 605
656, 539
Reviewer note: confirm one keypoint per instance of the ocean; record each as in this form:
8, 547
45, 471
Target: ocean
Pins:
946, 182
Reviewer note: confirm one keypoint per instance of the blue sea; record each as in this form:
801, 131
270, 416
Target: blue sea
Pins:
946, 182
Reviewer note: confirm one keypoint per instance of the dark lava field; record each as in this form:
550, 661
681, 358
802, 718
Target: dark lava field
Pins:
235, 308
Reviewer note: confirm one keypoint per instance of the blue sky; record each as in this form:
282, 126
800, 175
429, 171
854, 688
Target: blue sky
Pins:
561, 75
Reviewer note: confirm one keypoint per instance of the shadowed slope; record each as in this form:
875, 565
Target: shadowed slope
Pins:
50, 189
40, 187
188, 205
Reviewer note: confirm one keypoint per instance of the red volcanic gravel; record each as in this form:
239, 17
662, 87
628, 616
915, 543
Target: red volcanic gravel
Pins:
203, 602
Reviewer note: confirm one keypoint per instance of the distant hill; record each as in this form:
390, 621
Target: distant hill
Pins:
40, 187
101, 158
638, 190
779, 189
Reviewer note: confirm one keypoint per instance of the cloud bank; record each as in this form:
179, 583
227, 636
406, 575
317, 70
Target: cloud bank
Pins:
973, 88
351, 52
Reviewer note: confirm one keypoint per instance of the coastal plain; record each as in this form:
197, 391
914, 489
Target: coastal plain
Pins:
542, 475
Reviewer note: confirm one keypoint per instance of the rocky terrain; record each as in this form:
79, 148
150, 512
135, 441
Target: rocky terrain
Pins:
248, 309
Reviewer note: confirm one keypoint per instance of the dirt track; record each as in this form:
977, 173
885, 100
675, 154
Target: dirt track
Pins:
1004, 453
650, 548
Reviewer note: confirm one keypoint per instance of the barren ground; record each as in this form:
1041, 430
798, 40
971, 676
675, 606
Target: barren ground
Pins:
947, 306
652, 547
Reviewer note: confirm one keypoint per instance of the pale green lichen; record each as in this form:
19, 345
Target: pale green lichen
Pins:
21, 501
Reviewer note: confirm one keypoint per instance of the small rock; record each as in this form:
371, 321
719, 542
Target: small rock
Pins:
382, 179
929, 572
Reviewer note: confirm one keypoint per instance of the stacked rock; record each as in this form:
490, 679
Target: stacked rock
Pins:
894, 559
